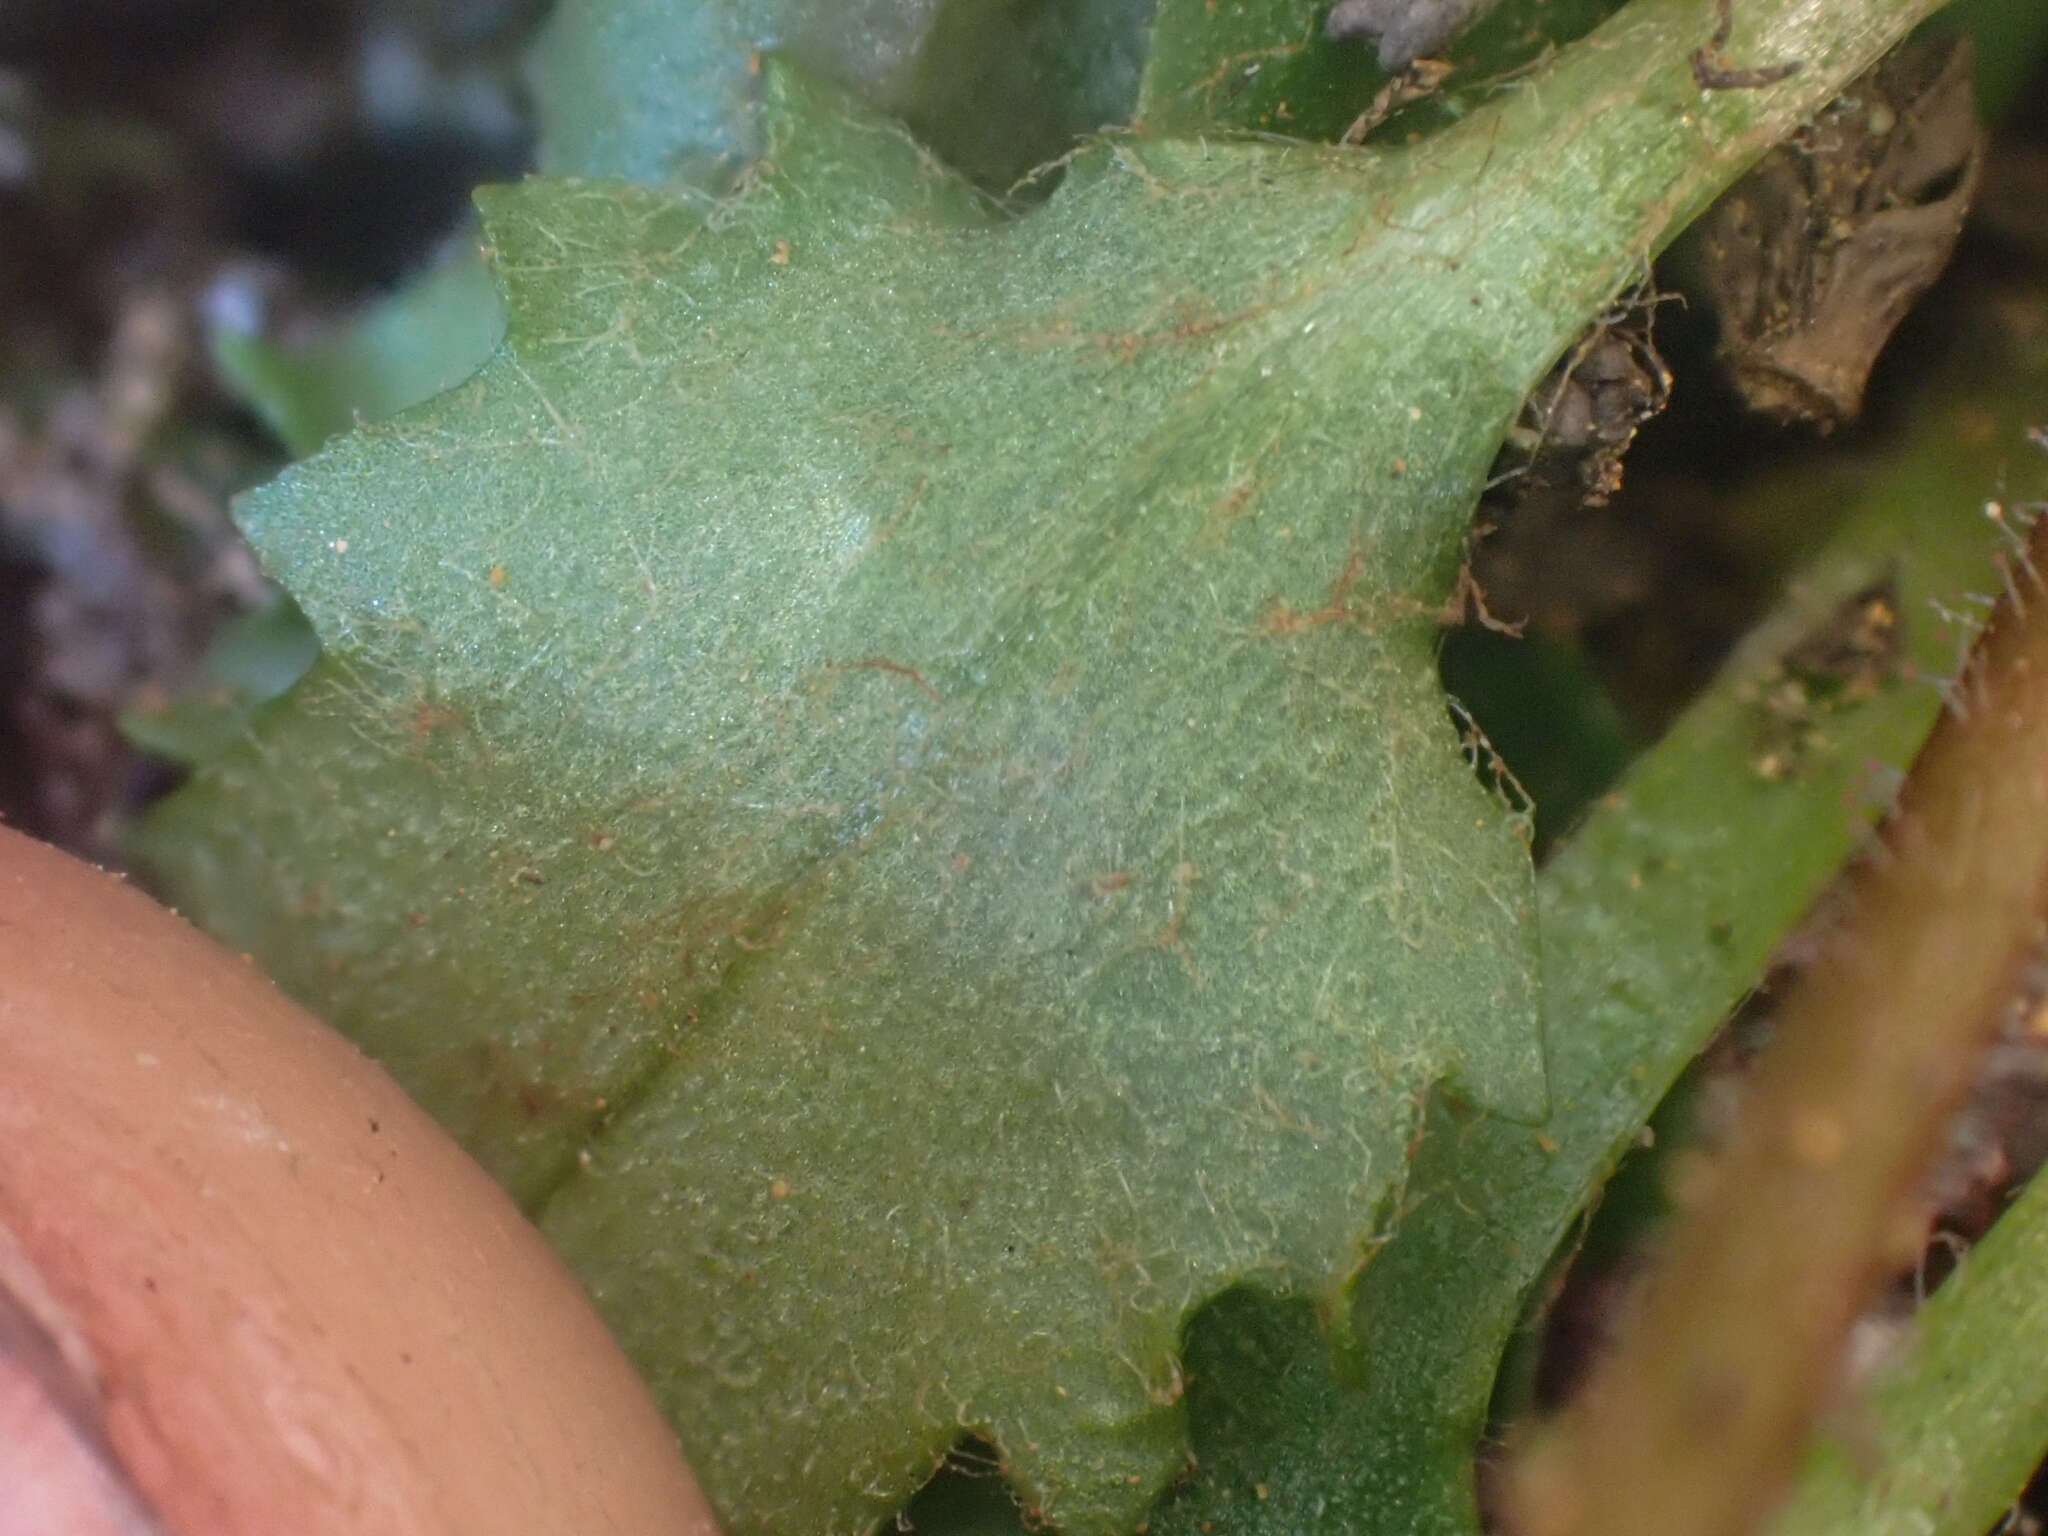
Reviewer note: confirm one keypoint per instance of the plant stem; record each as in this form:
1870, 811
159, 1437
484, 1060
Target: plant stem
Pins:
1696, 1423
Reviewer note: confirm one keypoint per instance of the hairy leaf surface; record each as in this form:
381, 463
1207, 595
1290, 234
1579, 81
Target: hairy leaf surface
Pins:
1658, 914
882, 766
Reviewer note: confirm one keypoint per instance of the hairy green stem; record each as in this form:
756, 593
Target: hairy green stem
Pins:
1696, 1423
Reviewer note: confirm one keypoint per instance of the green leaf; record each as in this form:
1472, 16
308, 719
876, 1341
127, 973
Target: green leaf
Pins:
1958, 1424
252, 661
1257, 66
1264, 66
668, 94
1658, 915
2009, 37
883, 767
1000, 89
943, 839
1548, 722
429, 335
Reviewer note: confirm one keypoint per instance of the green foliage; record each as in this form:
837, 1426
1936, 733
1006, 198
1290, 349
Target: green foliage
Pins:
1141, 852
1956, 1422
2009, 38
1657, 917
430, 335
882, 766
253, 660
1264, 66
669, 95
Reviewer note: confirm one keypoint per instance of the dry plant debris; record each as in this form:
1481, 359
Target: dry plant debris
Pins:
1815, 258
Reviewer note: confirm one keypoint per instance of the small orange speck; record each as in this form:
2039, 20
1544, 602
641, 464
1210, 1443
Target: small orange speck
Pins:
1818, 1138
1547, 1143
779, 1190
341, 546
753, 63
1262, 1491
497, 575
781, 253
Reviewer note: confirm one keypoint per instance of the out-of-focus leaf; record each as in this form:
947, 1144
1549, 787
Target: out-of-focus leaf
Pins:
1001, 88
883, 766
1264, 66
251, 661
668, 95
2009, 38
428, 336
1551, 735
1948, 1436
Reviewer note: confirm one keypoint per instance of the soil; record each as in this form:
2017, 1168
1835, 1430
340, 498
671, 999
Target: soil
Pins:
159, 159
